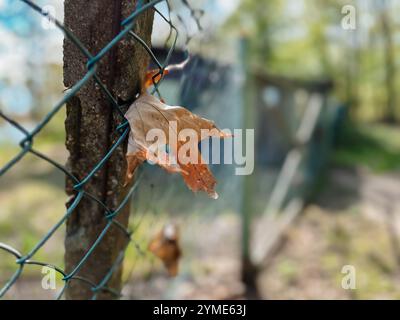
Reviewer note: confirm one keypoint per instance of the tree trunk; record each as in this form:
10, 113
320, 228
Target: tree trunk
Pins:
353, 66
390, 68
90, 132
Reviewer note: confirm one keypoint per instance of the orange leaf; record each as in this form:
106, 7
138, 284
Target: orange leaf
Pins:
148, 113
165, 245
148, 79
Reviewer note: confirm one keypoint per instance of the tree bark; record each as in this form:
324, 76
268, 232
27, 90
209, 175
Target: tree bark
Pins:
90, 133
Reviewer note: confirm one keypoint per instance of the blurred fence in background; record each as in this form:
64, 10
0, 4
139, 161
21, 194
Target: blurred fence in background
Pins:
295, 129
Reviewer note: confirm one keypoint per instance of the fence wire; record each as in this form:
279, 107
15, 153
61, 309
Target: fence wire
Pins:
27, 146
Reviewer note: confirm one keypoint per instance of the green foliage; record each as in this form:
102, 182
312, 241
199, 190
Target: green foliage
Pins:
375, 146
304, 39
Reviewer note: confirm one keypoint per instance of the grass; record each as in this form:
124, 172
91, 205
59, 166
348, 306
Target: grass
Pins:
375, 146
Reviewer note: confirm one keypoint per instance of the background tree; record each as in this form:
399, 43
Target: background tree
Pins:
390, 65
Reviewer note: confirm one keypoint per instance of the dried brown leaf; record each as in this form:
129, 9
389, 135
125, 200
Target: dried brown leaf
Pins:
165, 246
147, 113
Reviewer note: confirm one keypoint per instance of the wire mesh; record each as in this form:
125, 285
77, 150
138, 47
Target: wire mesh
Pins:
27, 147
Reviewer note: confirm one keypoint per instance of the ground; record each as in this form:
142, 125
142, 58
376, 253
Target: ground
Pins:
350, 228
343, 226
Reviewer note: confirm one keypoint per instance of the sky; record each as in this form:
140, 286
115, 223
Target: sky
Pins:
25, 48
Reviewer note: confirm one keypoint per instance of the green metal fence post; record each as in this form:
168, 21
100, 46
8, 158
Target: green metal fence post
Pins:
248, 113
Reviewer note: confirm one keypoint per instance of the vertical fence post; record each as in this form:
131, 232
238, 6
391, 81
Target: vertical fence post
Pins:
248, 105
91, 130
